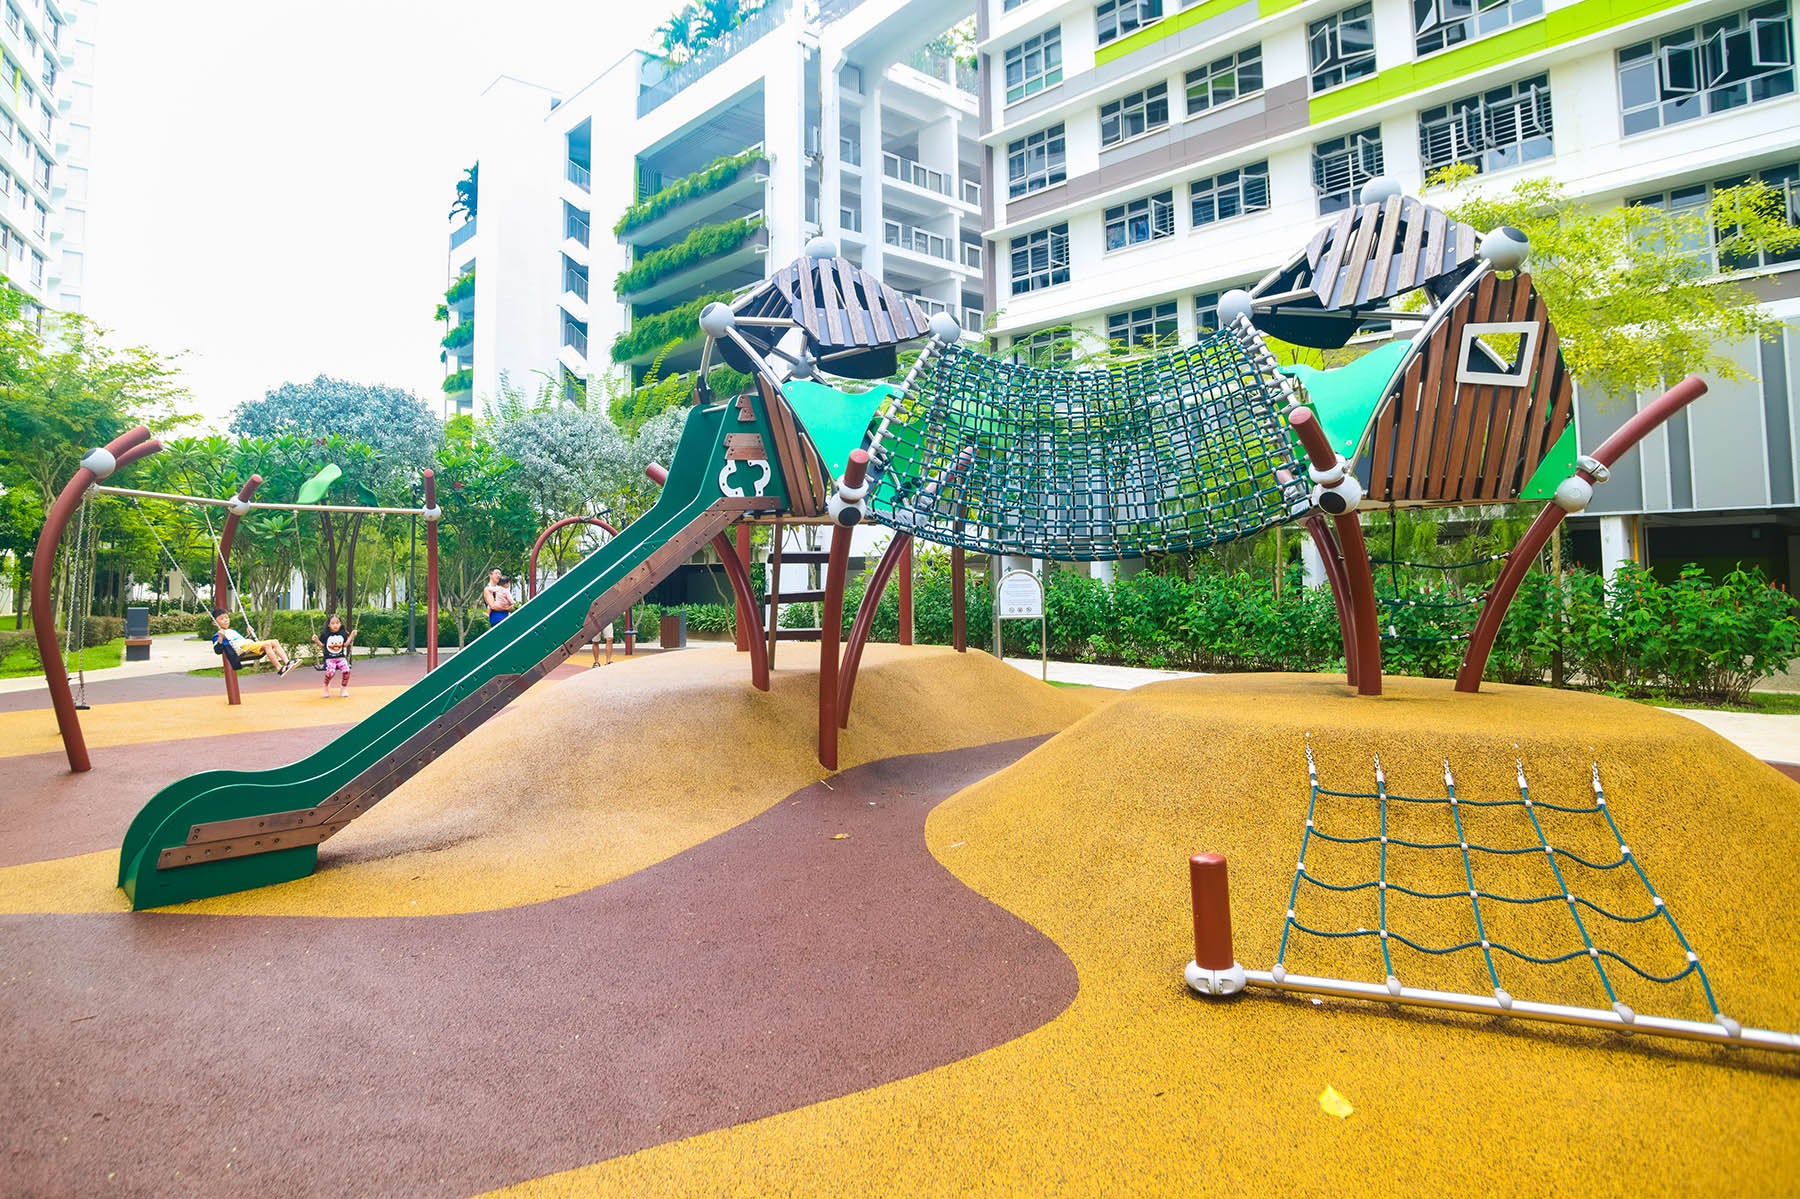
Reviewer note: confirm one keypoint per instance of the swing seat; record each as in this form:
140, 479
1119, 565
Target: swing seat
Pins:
223, 648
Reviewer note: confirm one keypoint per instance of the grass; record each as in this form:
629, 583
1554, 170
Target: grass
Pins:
23, 662
1768, 703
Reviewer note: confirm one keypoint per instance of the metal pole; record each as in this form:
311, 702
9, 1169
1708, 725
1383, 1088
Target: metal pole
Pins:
412, 613
994, 592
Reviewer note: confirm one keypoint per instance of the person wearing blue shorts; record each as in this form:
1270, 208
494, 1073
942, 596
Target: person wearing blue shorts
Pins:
498, 598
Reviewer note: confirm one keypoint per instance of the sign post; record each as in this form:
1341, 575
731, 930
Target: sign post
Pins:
1022, 597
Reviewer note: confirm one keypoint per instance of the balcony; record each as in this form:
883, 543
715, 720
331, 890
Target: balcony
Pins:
462, 234
969, 319
850, 151
740, 195
767, 19
959, 75
745, 258
919, 176
579, 175
575, 230
919, 241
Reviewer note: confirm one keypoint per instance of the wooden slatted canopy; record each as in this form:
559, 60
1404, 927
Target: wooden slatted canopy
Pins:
1362, 258
1441, 439
853, 320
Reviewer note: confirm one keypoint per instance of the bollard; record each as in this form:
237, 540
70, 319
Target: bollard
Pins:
1214, 971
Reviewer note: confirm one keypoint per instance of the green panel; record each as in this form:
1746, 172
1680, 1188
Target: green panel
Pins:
1345, 398
1557, 465
535, 631
835, 420
1168, 26
1555, 29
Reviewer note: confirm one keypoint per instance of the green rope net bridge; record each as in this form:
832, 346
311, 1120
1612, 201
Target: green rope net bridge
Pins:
1175, 452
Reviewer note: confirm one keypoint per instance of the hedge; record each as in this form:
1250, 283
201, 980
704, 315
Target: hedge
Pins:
460, 335
462, 380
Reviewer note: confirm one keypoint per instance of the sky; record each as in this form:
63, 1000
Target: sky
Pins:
271, 180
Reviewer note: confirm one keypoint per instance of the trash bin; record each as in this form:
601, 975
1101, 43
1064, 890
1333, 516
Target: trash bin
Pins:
137, 634
674, 629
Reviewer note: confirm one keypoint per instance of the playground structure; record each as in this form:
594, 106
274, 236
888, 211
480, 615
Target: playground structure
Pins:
1186, 448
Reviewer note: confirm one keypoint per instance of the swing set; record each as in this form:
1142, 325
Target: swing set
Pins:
72, 503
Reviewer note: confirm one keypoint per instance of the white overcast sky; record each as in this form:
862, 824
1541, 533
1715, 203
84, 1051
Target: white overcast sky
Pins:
270, 180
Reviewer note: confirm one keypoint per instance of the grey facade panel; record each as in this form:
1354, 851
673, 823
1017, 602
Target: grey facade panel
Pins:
1778, 418
1681, 463
1594, 423
1727, 437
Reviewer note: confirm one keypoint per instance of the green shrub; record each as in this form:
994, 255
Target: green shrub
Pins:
662, 329
460, 335
709, 178
700, 245
709, 618
462, 289
462, 380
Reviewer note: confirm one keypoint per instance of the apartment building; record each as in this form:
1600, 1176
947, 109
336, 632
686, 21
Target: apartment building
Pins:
1148, 155
46, 110
610, 216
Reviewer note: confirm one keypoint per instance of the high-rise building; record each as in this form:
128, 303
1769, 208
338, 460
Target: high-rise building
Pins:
608, 217
1148, 155
46, 108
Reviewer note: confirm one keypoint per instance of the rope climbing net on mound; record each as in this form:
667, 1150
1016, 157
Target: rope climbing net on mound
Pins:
1479, 889
1175, 452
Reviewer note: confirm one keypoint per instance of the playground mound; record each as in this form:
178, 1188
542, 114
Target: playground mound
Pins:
600, 775
1143, 1083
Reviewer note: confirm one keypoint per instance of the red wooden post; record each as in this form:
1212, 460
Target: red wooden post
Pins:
95, 466
1326, 544
1500, 596
906, 600
746, 603
1214, 970
739, 574
899, 552
959, 612
222, 577
432, 515
837, 570
531, 586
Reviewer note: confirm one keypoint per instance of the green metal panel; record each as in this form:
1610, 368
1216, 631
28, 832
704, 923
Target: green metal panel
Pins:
1186, 18
1346, 397
535, 631
835, 420
1557, 28
1557, 465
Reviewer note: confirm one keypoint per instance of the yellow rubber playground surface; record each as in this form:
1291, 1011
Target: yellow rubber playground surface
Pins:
1127, 1083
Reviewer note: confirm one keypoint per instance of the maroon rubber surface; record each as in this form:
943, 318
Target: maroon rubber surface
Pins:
1788, 768
46, 811
768, 968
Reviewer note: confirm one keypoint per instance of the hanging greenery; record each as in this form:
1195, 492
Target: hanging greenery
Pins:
709, 178
703, 243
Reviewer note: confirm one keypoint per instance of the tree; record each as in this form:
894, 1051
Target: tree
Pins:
381, 438
467, 192
1634, 292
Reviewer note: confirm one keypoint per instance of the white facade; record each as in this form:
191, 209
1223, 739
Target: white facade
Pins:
847, 131
1147, 155
46, 110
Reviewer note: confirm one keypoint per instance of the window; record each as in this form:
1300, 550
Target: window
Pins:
1036, 161
1009, 5
575, 277
1116, 18
14, 22
1693, 241
37, 269
1740, 59
1046, 348
1206, 310
1225, 80
1229, 194
49, 71
1034, 64
1128, 116
1147, 327
1344, 164
574, 333
1343, 47
48, 118
42, 222
1140, 221
43, 169
1441, 23
1493, 130
1040, 259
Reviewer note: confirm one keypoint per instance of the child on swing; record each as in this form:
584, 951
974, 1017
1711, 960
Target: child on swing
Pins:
336, 651
247, 650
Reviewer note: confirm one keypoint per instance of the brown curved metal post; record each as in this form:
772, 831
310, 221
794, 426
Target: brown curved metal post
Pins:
531, 586
43, 571
431, 574
906, 598
1359, 578
899, 551
837, 572
746, 603
222, 580
1506, 587
1340, 588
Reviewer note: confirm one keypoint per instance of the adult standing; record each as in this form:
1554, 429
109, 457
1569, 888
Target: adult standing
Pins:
498, 598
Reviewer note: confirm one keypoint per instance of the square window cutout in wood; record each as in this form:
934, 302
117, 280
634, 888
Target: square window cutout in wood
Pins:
1487, 361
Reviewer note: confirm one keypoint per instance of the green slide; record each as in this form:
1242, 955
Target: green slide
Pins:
229, 830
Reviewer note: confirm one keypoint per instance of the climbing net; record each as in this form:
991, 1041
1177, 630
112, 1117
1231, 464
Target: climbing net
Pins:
1182, 450
1426, 897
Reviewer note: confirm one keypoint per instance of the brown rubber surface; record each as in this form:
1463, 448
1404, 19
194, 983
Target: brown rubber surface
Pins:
46, 811
770, 967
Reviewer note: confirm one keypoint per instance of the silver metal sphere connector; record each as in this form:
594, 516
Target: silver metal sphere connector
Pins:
1505, 248
716, 318
1233, 304
1381, 189
944, 327
821, 247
